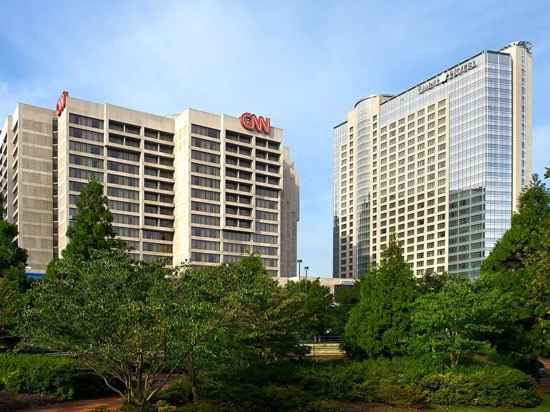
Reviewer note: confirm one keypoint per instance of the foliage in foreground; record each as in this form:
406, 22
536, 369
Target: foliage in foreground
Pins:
135, 324
62, 378
319, 310
405, 382
451, 323
13, 281
379, 325
519, 265
117, 318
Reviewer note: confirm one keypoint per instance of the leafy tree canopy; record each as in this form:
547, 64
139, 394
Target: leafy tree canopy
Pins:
116, 317
380, 323
523, 238
318, 306
519, 264
135, 323
345, 299
13, 281
451, 322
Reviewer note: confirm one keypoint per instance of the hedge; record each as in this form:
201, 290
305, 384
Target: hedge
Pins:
56, 376
404, 382
482, 386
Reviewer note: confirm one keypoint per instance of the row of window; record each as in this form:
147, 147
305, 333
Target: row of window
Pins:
236, 210
205, 144
124, 140
85, 121
155, 184
205, 169
146, 233
153, 171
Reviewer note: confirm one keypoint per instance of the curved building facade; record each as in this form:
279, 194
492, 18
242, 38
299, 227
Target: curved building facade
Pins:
441, 165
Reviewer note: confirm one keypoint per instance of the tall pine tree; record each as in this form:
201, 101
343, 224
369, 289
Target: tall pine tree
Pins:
90, 230
379, 325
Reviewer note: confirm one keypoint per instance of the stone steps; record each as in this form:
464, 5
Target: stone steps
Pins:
544, 380
325, 350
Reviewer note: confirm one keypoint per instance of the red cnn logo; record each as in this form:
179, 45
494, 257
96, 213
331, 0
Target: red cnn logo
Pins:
61, 103
256, 123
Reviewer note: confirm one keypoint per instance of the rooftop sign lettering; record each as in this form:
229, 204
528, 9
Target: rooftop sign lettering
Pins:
61, 103
448, 75
253, 123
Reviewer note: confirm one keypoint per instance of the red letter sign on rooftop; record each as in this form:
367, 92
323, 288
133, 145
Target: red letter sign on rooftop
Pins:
252, 122
61, 103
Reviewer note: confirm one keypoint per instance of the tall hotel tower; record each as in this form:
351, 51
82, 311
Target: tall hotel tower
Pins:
441, 165
195, 187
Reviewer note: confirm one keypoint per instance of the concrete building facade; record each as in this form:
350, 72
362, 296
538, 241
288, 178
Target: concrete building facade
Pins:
441, 165
195, 187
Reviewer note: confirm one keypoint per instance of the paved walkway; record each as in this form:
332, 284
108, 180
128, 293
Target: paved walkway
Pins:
109, 404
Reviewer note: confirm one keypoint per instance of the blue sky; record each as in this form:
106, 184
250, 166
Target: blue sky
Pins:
302, 63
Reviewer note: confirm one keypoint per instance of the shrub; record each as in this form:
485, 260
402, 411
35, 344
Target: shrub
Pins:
376, 380
205, 406
482, 386
403, 382
178, 392
327, 406
284, 398
60, 377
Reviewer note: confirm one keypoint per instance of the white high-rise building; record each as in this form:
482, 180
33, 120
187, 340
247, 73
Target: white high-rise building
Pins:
441, 165
195, 187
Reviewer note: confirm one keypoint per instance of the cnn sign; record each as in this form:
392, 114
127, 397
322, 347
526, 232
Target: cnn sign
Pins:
255, 123
61, 103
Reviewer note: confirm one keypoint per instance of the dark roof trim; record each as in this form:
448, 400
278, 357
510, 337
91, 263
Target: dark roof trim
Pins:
340, 124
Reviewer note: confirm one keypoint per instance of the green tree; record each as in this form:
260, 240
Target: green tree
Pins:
432, 282
379, 325
518, 265
345, 299
13, 282
90, 231
451, 322
119, 318
523, 239
135, 323
318, 306
266, 321
239, 317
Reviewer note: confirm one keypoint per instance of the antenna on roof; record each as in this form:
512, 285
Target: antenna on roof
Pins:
522, 43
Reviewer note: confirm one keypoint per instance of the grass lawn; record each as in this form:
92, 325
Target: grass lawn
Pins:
544, 407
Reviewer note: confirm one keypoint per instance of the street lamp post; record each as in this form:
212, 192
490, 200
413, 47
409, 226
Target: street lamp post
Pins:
299, 261
306, 268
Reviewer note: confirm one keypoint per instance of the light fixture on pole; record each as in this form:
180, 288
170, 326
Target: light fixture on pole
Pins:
299, 261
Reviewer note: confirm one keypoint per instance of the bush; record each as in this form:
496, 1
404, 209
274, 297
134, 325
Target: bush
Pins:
283, 398
482, 386
403, 382
377, 380
60, 377
178, 392
205, 406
